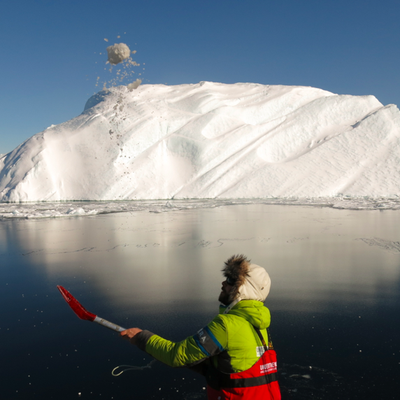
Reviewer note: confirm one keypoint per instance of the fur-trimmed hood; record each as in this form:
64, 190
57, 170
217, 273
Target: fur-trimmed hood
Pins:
252, 282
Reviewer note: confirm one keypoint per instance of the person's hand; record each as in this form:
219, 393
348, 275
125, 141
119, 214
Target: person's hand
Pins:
130, 334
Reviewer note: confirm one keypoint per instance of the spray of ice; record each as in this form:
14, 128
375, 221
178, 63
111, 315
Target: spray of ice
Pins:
119, 55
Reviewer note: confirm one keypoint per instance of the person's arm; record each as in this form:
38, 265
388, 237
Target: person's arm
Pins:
131, 335
207, 342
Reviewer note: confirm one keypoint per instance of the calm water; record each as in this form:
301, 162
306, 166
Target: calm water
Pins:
334, 298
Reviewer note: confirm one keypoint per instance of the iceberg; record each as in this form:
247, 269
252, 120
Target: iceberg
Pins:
211, 141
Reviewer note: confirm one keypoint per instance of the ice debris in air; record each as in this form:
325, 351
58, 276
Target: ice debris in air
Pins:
120, 53
134, 85
117, 53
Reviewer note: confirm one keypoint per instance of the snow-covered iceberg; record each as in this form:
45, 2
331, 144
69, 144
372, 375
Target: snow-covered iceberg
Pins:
211, 140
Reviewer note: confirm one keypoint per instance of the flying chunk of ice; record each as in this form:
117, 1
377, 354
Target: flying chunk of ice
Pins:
117, 53
134, 85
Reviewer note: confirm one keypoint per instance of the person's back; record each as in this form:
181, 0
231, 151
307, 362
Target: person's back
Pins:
234, 351
247, 368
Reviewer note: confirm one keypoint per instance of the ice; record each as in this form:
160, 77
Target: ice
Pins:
160, 148
117, 53
42, 210
134, 85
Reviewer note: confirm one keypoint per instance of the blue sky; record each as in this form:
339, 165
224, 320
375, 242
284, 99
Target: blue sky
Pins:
50, 50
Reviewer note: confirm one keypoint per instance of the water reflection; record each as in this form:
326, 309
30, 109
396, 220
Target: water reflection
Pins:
310, 253
328, 267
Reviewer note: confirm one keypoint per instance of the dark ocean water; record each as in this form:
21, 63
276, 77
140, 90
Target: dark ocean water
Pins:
335, 298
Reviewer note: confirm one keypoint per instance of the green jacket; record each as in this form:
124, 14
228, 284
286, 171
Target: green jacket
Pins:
229, 339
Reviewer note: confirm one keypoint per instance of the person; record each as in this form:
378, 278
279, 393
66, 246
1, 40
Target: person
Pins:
234, 351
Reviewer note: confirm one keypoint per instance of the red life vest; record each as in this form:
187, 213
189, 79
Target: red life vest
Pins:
256, 383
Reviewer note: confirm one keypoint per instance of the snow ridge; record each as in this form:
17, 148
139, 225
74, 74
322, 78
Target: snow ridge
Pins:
211, 140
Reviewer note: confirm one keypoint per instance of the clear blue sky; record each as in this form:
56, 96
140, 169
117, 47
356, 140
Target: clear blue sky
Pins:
50, 49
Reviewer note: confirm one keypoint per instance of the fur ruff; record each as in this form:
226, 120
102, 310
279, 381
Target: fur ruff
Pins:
236, 268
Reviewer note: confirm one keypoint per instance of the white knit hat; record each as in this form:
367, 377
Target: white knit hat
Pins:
256, 285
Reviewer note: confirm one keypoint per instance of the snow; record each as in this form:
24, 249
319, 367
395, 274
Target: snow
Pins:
256, 143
